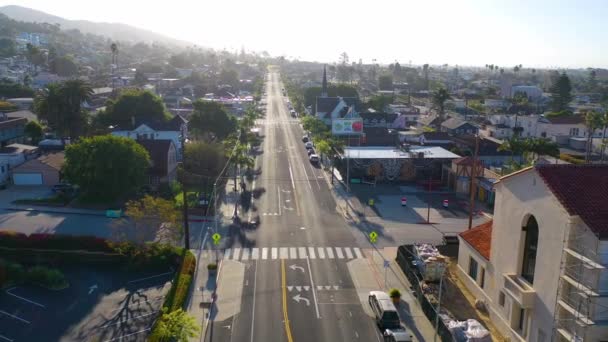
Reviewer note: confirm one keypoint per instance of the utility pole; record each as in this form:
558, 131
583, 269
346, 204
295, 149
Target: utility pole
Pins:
185, 196
472, 182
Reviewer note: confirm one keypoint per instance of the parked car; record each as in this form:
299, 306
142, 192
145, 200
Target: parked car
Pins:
384, 310
305, 138
314, 158
309, 145
311, 151
397, 335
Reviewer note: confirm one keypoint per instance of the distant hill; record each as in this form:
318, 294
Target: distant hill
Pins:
114, 31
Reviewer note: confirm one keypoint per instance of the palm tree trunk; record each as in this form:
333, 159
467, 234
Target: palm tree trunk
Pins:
603, 150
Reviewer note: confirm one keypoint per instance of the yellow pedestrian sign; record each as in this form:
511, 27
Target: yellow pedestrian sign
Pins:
216, 238
373, 237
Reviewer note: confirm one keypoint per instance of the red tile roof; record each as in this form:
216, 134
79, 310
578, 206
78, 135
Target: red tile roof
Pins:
480, 238
582, 190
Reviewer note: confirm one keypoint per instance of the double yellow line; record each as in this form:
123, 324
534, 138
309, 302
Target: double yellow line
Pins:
285, 316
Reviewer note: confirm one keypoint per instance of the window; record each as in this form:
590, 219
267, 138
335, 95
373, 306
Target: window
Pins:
530, 250
473, 268
501, 299
482, 280
521, 323
574, 131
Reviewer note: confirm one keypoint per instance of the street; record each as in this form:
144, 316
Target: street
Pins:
296, 283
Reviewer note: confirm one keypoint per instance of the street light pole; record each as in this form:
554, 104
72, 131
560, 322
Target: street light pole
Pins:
472, 182
185, 197
428, 210
438, 305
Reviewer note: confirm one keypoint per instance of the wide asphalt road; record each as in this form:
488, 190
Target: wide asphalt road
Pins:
304, 292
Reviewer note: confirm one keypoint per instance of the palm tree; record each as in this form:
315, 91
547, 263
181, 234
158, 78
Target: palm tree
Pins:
604, 139
74, 93
593, 121
49, 106
438, 99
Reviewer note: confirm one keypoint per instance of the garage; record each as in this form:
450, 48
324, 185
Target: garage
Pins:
27, 178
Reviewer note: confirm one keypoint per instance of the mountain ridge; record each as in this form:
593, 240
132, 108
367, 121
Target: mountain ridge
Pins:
114, 31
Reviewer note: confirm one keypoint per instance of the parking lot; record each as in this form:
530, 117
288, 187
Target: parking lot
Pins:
99, 305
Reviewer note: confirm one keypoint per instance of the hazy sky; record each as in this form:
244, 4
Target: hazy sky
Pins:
535, 33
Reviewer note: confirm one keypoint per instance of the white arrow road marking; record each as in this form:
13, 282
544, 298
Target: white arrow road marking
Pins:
319, 287
289, 288
299, 288
336, 287
294, 267
327, 287
227, 326
306, 288
298, 298
92, 288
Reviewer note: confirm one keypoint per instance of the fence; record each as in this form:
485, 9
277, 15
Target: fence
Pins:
405, 260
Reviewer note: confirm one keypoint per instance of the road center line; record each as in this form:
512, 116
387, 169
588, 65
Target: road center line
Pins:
255, 281
312, 286
285, 315
280, 203
306, 173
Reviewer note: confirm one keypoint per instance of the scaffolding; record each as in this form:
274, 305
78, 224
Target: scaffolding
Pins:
579, 293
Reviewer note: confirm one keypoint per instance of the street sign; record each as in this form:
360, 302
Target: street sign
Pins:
216, 238
387, 264
373, 237
371, 202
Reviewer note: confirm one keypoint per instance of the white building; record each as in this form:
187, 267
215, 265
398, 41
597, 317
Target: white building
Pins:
14, 155
172, 130
540, 266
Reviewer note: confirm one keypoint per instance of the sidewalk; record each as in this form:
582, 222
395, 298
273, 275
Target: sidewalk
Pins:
370, 275
201, 300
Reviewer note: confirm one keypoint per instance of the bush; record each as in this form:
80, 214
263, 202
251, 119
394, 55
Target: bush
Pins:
571, 159
47, 277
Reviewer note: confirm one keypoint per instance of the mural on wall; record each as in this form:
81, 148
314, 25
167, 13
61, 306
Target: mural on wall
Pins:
408, 171
376, 170
391, 168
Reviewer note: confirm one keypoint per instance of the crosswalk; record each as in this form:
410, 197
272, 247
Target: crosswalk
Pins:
291, 253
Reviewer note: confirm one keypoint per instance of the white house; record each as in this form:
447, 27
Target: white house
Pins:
540, 266
14, 155
173, 130
561, 128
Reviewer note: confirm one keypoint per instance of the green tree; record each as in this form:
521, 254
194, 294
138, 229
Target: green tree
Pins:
50, 106
65, 66
140, 78
593, 121
561, 93
210, 121
10, 89
7, 47
229, 77
314, 125
34, 56
205, 159
106, 167
33, 130
133, 105
385, 82
592, 81
425, 72
604, 138
74, 93
155, 219
176, 326
438, 98
379, 102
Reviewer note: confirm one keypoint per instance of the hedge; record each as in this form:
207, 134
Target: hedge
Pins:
15, 273
176, 298
54, 241
571, 159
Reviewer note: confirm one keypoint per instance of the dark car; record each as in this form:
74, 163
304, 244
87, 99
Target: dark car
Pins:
62, 187
311, 151
305, 139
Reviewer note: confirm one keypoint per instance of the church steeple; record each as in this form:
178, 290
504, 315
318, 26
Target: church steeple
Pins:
324, 86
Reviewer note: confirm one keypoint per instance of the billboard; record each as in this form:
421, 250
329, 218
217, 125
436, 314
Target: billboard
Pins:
347, 126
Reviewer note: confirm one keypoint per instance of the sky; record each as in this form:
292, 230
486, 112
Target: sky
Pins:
534, 33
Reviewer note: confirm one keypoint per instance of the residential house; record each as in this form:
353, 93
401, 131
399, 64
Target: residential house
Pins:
14, 155
44, 170
532, 92
11, 129
498, 131
561, 128
330, 108
175, 130
457, 126
163, 158
410, 113
540, 266
429, 121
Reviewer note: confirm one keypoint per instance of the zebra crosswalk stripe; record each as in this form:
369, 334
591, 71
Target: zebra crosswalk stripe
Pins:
255, 254
311, 253
358, 253
302, 252
237, 253
321, 252
330, 253
293, 253
348, 253
245, 255
283, 252
227, 254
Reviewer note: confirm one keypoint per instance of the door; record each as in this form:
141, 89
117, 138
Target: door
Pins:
27, 178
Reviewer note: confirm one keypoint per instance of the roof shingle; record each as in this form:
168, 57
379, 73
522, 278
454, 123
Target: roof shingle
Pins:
480, 238
582, 190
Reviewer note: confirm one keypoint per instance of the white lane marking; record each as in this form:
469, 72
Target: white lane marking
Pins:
293, 184
255, 254
299, 288
306, 173
319, 287
313, 173
336, 287
311, 253
339, 253
358, 253
24, 299
274, 251
280, 203
283, 252
349, 254
289, 288
264, 253
125, 321
302, 252
237, 253
321, 252
6, 338
306, 288
255, 281
293, 254
227, 254
327, 287
123, 336
245, 255
330, 253
15, 317
312, 284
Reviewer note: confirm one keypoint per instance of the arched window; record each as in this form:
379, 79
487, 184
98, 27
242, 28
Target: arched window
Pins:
530, 249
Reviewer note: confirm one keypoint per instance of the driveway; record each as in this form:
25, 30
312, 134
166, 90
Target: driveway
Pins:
15, 192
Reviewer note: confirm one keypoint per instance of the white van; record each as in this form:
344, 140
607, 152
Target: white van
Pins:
384, 310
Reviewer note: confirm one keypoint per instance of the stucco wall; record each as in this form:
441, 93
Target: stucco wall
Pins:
517, 198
